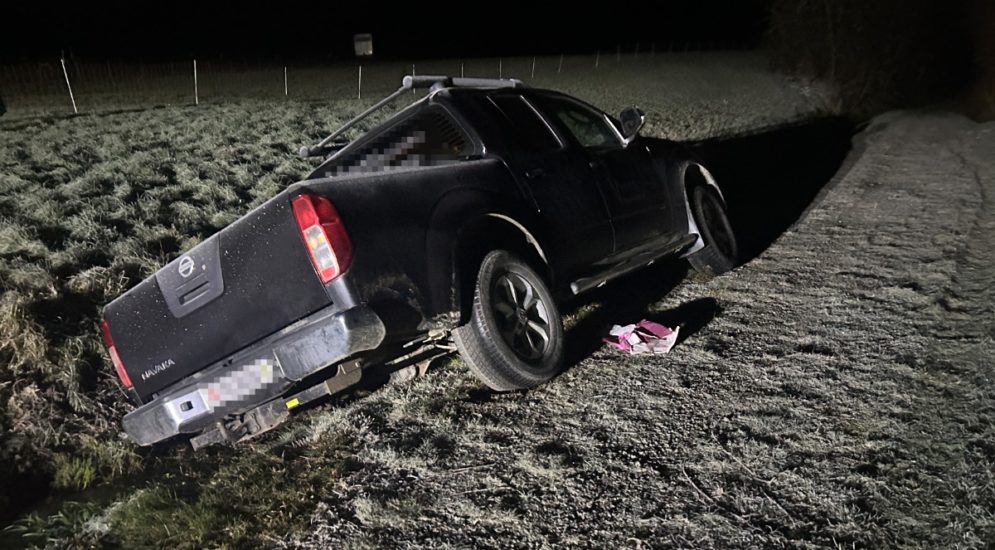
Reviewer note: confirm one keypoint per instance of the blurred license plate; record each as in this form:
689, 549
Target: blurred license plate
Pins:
236, 385
239, 384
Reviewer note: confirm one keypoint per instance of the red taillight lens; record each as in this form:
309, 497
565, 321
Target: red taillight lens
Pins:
324, 235
115, 358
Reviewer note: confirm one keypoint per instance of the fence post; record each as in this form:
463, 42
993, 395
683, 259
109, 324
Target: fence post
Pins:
500, 68
68, 85
461, 70
559, 68
533, 68
196, 92
359, 85
285, 89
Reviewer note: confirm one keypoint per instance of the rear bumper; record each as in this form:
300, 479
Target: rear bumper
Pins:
256, 374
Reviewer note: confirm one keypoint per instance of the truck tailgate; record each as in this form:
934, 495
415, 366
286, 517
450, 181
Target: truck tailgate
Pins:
243, 283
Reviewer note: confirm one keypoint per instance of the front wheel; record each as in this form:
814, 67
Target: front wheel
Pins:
720, 252
514, 338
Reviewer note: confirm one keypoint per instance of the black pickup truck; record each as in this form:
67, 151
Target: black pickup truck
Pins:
463, 219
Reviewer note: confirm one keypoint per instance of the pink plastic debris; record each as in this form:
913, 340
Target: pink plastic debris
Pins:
643, 337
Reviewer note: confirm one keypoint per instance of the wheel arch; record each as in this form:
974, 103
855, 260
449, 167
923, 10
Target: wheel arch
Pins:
482, 234
693, 174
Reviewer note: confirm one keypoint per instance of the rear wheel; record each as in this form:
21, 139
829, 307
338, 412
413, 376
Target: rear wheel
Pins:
514, 338
720, 252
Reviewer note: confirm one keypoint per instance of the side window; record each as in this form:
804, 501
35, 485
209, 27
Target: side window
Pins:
589, 127
428, 138
525, 123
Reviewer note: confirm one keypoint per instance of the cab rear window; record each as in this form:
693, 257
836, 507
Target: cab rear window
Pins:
429, 138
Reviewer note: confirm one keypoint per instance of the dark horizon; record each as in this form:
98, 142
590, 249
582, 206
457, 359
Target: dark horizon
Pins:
425, 30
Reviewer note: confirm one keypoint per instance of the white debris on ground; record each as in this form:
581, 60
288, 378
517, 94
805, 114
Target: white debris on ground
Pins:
643, 337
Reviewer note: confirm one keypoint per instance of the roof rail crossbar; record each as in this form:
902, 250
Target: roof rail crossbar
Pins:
320, 147
488, 83
424, 81
430, 81
409, 82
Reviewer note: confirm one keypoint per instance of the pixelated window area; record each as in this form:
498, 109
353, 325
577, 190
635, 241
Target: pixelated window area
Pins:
429, 138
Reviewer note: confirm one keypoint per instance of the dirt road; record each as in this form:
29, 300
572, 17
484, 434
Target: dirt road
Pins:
839, 394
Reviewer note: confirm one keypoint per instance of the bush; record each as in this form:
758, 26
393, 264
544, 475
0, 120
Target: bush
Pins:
879, 55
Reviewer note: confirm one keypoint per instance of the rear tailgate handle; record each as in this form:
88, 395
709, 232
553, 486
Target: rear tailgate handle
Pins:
194, 279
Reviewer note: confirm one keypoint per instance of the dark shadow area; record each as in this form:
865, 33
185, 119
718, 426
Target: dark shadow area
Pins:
770, 178
624, 301
628, 300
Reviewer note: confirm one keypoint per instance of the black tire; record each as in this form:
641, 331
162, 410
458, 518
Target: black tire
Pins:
721, 251
502, 343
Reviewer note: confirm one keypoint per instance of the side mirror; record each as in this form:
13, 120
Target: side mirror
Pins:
632, 119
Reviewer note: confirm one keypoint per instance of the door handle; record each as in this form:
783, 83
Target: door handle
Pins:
535, 173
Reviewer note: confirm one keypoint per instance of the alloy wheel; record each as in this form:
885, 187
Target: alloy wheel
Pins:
521, 315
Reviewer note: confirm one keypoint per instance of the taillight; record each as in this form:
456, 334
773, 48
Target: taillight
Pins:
324, 235
115, 358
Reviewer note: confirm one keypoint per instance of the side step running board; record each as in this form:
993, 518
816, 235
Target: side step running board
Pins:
641, 259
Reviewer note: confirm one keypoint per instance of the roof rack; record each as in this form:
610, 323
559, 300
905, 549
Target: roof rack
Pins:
438, 82
408, 82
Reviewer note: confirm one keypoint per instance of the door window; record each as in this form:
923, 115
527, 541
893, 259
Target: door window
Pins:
589, 127
530, 131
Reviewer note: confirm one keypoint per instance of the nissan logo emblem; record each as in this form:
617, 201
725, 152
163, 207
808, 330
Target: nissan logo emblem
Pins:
186, 266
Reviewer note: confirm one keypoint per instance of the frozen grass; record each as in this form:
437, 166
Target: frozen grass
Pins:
840, 396
91, 205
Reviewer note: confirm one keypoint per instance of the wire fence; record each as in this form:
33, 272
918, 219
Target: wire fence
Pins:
64, 86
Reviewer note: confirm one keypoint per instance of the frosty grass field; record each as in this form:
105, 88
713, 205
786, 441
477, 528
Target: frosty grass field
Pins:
835, 390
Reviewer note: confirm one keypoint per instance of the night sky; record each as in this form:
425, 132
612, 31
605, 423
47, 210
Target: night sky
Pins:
424, 29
